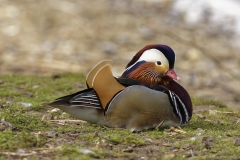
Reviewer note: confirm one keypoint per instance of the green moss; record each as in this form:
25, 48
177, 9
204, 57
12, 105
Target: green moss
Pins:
21, 119
10, 140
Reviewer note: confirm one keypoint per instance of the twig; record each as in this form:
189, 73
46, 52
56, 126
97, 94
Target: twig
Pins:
179, 130
191, 152
159, 125
76, 121
215, 111
237, 121
18, 154
43, 149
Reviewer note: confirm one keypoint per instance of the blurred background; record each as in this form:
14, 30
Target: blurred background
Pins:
49, 37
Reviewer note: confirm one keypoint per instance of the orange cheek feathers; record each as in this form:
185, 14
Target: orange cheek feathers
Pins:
161, 69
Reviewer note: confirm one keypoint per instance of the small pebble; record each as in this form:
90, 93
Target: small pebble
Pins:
64, 113
190, 154
199, 134
207, 139
199, 130
6, 124
96, 134
86, 151
52, 134
200, 116
185, 146
208, 142
168, 156
24, 104
148, 140
2, 127
193, 138
46, 117
212, 112
237, 142
54, 110
20, 150
35, 86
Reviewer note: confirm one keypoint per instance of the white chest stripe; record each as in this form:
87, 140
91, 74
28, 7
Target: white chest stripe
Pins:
178, 105
175, 106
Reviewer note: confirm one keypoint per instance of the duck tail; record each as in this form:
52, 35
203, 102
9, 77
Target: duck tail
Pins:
65, 100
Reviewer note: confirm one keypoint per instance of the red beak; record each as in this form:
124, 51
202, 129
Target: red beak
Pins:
172, 74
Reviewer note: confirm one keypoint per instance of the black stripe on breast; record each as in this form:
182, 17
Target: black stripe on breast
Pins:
179, 108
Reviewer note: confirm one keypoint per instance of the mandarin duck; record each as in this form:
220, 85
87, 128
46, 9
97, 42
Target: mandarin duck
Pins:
130, 101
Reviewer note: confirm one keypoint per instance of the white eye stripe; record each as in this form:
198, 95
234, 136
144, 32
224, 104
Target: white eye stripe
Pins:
154, 55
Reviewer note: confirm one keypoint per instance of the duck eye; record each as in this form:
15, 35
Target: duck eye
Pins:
159, 63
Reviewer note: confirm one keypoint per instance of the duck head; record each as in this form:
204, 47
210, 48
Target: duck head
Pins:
151, 63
